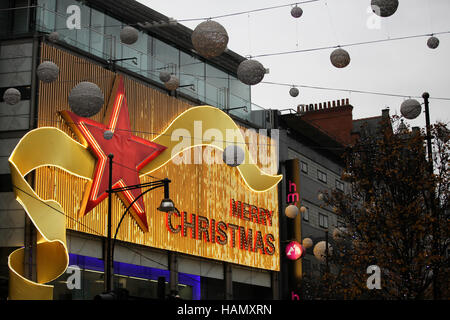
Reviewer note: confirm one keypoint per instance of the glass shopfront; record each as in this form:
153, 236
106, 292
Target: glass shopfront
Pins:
139, 281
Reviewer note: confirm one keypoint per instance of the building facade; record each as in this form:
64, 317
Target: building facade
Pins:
192, 266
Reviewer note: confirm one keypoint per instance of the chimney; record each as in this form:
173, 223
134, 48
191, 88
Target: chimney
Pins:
332, 117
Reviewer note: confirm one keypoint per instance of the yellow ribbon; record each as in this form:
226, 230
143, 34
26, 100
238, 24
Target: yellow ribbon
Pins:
50, 146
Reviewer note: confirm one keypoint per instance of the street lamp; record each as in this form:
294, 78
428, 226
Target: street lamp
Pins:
166, 205
426, 97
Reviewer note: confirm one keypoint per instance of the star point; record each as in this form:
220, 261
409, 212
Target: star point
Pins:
130, 154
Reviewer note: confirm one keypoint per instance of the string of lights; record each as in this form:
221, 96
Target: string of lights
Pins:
246, 12
349, 44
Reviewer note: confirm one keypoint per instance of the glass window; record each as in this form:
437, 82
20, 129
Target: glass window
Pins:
45, 19
212, 289
239, 97
83, 34
165, 57
216, 87
112, 46
97, 33
249, 291
192, 71
68, 35
304, 167
21, 17
340, 185
5, 17
137, 50
321, 176
323, 220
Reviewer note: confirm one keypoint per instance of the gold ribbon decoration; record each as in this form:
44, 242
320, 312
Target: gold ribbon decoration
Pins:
211, 119
43, 147
49, 146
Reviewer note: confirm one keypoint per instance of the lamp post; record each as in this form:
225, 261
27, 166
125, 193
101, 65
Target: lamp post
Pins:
425, 97
166, 205
434, 212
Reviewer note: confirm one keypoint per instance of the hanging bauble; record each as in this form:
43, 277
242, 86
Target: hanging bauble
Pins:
296, 12
433, 42
294, 92
320, 250
209, 39
410, 109
384, 8
47, 71
291, 211
251, 72
164, 76
307, 243
129, 35
173, 83
338, 233
340, 58
233, 155
11, 96
108, 134
53, 36
86, 99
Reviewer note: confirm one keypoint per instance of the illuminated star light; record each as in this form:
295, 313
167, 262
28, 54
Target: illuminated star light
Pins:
131, 154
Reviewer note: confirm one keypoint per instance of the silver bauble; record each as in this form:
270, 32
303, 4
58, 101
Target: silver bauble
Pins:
233, 155
296, 12
47, 71
320, 250
338, 233
108, 134
173, 83
291, 211
384, 8
340, 58
251, 72
307, 243
129, 35
433, 43
410, 109
209, 39
294, 92
12, 96
53, 36
164, 76
86, 99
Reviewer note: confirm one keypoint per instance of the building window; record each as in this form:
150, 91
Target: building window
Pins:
306, 214
323, 220
339, 185
304, 167
321, 176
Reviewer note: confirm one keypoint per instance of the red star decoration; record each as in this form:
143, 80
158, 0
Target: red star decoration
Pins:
131, 154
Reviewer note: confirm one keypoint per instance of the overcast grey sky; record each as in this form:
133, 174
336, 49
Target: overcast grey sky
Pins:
406, 67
